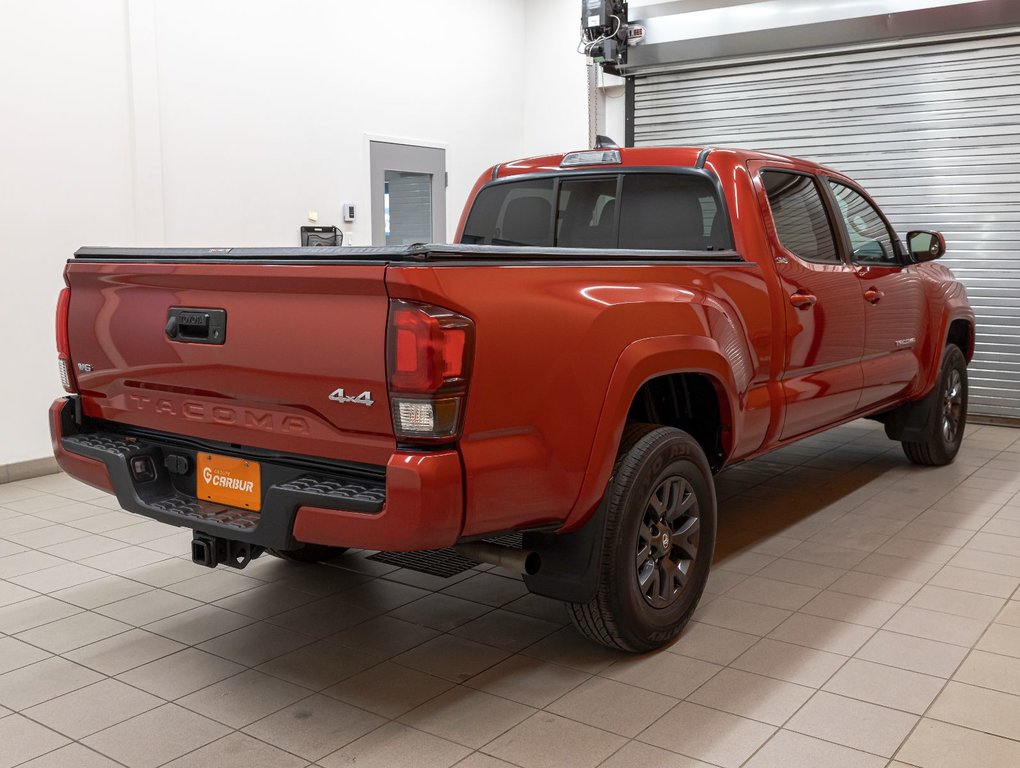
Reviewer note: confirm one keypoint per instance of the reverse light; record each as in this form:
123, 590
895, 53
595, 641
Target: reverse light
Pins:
429, 351
63, 344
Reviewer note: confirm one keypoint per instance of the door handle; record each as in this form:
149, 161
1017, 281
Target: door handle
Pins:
873, 295
803, 300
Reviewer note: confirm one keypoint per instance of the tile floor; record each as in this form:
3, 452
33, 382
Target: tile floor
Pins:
862, 612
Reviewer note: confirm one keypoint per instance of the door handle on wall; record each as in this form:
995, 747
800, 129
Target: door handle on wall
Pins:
803, 300
873, 295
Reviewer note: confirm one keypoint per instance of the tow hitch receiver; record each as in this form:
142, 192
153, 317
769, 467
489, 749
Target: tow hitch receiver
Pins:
210, 551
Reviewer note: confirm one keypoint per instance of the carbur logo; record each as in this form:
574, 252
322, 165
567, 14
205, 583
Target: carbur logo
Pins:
225, 481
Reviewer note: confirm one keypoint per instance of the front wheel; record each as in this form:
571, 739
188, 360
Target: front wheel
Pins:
659, 539
944, 435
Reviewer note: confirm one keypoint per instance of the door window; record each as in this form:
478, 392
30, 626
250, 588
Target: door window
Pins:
802, 224
870, 241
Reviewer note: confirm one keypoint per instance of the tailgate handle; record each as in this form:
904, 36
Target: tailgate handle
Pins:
196, 326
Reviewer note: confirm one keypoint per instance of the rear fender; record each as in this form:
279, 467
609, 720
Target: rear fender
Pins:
641, 361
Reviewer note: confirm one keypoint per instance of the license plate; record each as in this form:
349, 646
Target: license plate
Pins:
230, 481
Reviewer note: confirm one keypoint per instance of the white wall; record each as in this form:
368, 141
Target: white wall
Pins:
215, 122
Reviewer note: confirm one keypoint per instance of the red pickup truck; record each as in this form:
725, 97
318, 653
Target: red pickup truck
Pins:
611, 329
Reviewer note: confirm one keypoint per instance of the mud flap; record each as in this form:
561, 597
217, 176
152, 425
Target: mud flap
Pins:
570, 561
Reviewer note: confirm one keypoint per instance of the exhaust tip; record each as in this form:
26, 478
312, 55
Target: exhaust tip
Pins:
532, 563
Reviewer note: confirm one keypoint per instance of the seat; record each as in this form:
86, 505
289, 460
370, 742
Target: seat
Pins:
527, 221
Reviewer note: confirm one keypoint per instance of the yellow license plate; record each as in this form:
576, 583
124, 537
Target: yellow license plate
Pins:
230, 481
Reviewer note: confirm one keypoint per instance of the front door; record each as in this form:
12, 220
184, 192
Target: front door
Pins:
893, 297
824, 310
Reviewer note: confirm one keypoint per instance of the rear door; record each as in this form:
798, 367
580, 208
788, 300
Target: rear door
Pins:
892, 291
825, 323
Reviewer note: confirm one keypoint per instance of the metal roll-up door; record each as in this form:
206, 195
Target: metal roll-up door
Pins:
931, 129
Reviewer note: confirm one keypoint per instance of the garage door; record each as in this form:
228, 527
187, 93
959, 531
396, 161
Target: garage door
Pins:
932, 130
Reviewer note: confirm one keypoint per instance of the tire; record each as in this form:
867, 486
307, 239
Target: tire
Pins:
652, 576
309, 553
945, 431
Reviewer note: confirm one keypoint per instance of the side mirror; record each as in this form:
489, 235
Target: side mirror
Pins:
925, 246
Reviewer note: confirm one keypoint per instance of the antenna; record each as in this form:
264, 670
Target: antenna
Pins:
604, 142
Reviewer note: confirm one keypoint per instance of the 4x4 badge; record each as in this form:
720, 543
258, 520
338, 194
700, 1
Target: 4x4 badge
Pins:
365, 398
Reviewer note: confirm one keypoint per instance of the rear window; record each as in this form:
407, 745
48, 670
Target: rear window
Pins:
646, 211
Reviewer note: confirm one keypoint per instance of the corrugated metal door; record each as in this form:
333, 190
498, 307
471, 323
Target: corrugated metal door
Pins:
931, 130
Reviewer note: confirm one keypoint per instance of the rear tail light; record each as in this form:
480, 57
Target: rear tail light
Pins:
429, 354
63, 345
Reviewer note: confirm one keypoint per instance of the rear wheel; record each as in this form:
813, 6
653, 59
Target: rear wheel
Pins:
309, 553
660, 535
945, 429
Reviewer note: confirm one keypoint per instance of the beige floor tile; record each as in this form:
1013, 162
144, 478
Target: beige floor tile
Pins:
323, 617
199, 624
164, 572
469, 717
214, 585
777, 594
181, 673
478, 760
713, 644
238, 751
390, 690
71, 756
707, 734
886, 686
929, 657
612, 706
506, 629
794, 750
929, 552
957, 602
635, 753
1010, 613
540, 607
792, 663
991, 670
935, 625
662, 672
156, 737
23, 740
799, 572
26, 562
1001, 639
244, 698
745, 563
395, 744
124, 651
942, 745
568, 648
148, 607
314, 727
936, 534
108, 589
876, 587
741, 616
265, 601
73, 632
489, 588
851, 608
822, 634
15, 654
547, 741
978, 708
319, 665
752, 696
88, 546
93, 708
12, 593
255, 643
898, 567
836, 548
44, 680
992, 542
988, 562
59, 577
385, 636
451, 657
979, 582
852, 723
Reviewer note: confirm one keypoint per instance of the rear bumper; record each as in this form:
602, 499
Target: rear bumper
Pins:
414, 503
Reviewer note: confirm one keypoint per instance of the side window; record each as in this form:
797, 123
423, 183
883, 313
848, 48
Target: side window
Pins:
870, 240
801, 222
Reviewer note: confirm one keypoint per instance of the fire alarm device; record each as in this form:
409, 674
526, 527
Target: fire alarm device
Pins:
349, 211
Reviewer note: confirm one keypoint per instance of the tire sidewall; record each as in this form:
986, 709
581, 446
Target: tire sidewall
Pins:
953, 359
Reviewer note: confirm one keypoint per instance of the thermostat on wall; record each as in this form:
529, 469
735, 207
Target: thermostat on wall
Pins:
349, 211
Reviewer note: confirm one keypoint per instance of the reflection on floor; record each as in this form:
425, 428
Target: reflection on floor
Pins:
860, 610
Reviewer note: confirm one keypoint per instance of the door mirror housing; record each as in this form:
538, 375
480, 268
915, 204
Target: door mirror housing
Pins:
925, 246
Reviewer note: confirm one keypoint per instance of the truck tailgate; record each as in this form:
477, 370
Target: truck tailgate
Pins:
293, 335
